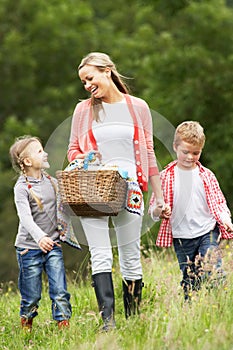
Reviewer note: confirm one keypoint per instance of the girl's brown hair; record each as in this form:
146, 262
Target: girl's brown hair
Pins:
18, 152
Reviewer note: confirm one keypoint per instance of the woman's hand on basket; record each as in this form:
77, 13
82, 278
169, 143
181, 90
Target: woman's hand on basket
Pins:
97, 154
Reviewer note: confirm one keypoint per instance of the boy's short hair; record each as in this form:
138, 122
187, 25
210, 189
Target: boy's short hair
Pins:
191, 132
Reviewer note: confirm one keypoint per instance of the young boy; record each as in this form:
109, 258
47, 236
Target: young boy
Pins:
198, 217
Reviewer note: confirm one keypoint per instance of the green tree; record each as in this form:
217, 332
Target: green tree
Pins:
177, 55
41, 44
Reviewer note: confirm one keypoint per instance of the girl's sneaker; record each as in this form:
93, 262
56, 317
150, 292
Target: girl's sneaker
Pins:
63, 324
26, 324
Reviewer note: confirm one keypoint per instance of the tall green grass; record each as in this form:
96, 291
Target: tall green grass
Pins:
166, 321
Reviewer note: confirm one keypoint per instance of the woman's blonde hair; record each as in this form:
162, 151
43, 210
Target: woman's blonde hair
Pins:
18, 152
101, 61
191, 132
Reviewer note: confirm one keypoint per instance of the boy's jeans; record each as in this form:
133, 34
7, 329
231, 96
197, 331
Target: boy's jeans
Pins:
31, 264
188, 249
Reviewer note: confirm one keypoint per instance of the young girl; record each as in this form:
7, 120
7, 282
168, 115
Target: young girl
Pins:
37, 242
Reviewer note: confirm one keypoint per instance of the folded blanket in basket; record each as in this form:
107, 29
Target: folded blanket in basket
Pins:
134, 198
65, 227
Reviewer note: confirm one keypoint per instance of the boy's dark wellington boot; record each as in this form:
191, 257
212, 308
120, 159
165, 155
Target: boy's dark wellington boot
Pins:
103, 285
132, 296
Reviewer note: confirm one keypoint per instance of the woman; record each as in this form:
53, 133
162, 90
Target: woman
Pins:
119, 128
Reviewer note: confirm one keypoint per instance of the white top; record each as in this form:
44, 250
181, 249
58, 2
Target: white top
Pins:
191, 216
114, 136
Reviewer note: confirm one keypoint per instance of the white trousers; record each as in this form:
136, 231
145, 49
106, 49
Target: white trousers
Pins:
126, 235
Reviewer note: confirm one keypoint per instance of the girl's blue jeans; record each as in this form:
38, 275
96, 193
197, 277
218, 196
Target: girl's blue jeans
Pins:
188, 249
32, 263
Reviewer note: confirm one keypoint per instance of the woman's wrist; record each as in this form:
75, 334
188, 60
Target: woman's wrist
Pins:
159, 202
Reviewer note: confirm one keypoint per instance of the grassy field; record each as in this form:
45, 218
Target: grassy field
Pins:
166, 321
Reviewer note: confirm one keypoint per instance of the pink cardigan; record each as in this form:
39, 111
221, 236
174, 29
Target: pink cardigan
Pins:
82, 139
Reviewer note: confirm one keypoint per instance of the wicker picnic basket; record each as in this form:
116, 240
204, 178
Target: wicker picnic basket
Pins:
92, 192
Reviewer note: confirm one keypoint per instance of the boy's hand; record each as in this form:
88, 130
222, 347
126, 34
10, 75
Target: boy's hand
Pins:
228, 226
46, 244
166, 212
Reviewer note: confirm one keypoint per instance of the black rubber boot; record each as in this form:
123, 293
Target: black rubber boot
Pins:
132, 296
103, 285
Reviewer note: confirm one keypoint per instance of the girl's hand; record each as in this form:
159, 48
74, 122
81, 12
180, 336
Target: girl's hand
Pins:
46, 244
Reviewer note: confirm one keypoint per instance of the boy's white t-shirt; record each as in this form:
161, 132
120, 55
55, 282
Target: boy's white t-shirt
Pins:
114, 136
191, 216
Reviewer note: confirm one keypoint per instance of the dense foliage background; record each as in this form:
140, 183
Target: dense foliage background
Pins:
178, 55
